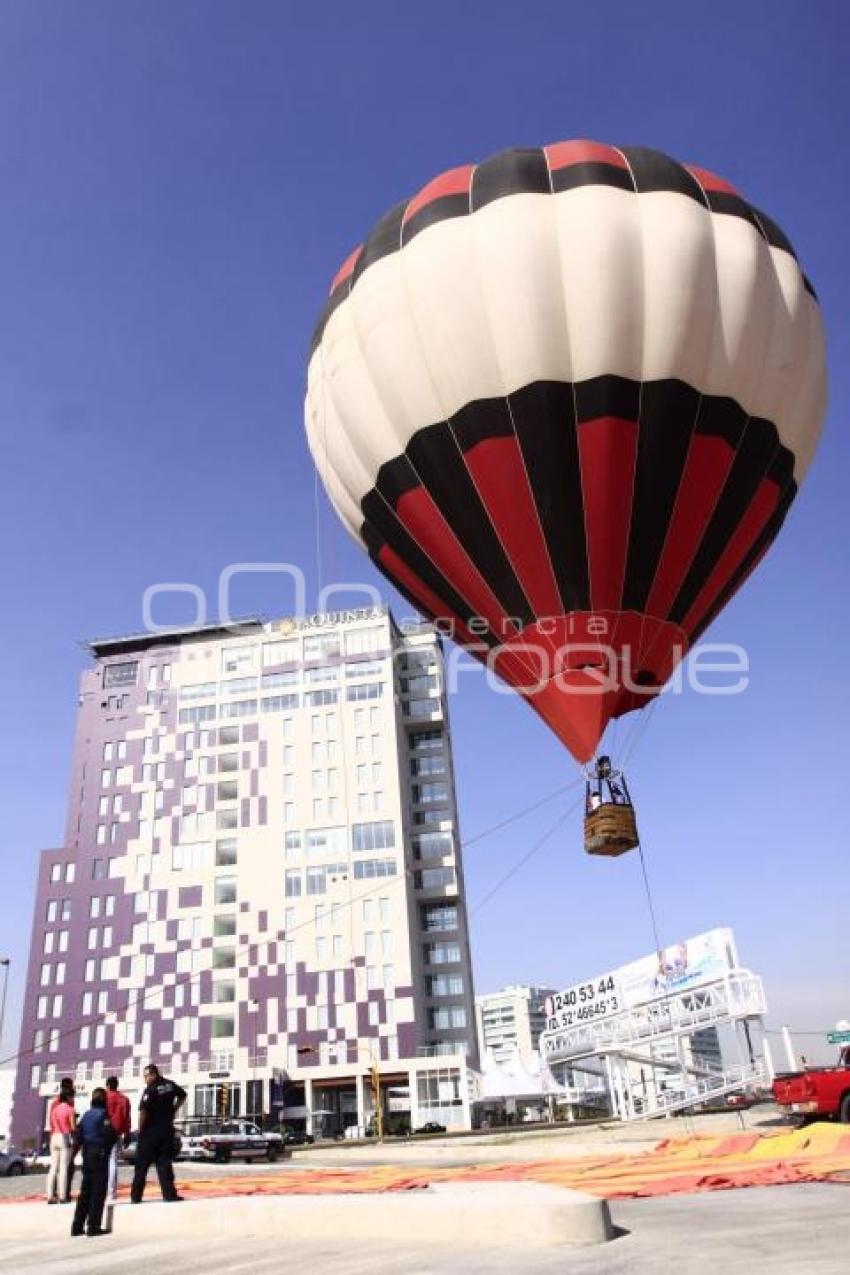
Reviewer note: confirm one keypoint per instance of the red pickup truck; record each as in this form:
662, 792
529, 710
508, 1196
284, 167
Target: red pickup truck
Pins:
822, 1092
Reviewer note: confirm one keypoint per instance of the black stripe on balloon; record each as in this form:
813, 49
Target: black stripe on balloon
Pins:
441, 209
774, 234
590, 173
653, 170
381, 527
768, 535
513, 172
668, 412
724, 201
545, 422
383, 239
759, 456
607, 396
721, 418
333, 303
440, 465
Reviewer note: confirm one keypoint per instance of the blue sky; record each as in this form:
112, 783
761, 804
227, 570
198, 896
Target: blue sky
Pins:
178, 183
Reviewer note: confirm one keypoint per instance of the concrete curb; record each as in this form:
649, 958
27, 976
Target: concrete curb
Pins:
469, 1214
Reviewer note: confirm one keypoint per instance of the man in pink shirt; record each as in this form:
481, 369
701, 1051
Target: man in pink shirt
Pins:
118, 1113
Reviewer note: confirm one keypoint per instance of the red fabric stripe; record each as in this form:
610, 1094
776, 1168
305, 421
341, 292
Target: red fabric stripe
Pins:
607, 453
432, 606
346, 268
749, 528
454, 182
421, 517
562, 154
577, 702
705, 473
498, 471
710, 181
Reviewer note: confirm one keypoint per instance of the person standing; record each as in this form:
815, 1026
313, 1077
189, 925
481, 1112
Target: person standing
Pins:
97, 1138
159, 1103
118, 1111
62, 1125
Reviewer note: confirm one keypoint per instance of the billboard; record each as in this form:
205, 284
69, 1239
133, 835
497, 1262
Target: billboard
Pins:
683, 965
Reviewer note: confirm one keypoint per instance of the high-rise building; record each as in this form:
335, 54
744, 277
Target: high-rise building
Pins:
260, 886
510, 1022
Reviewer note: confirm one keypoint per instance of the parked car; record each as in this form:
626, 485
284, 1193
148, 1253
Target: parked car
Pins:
12, 1165
817, 1093
224, 1140
295, 1137
430, 1126
129, 1152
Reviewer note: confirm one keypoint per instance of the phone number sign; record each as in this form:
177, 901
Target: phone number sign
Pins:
598, 998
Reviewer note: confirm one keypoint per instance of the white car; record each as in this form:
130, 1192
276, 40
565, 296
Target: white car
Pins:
12, 1164
226, 1140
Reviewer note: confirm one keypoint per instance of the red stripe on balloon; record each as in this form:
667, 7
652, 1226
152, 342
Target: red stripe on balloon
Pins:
419, 514
499, 474
706, 470
428, 601
760, 509
607, 453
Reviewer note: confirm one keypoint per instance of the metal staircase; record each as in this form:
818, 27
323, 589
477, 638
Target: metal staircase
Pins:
652, 1039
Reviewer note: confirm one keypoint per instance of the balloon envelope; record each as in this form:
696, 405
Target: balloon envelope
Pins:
564, 399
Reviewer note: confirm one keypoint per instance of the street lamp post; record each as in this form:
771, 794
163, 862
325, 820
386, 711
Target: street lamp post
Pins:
5, 961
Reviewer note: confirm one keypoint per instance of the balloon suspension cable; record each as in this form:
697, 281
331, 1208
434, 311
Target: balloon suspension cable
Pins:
649, 902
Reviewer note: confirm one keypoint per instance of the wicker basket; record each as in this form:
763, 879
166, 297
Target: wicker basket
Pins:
610, 829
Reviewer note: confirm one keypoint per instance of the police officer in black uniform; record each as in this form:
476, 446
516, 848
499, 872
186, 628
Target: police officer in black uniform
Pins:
159, 1104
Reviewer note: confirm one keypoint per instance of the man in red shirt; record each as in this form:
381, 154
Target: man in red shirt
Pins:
118, 1112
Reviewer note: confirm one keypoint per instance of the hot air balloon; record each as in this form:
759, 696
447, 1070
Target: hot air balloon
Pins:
564, 399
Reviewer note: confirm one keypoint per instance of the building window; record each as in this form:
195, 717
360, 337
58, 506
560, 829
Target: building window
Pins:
364, 691
433, 764
123, 674
432, 845
222, 1026
446, 1018
280, 704
440, 917
431, 878
235, 659
224, 958
320, 699
318, 646
274, 681
227, 790
442, 953
226, 819
285, 652
444, 985
225, 890
225, 852
292, 844
363, 641
365, 868
224, 926
373, 836
292, 883
430, 792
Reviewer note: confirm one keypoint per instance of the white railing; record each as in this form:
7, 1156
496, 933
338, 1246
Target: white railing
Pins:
702, 1090
739, 995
